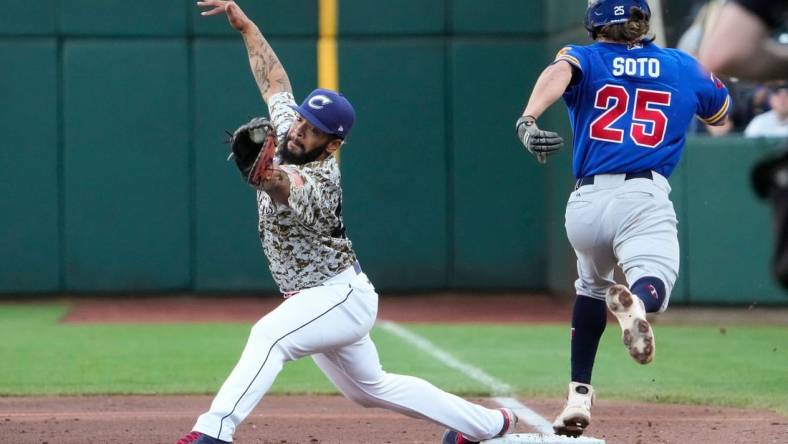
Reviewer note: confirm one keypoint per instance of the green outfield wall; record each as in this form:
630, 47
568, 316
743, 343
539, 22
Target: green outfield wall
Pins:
113, 164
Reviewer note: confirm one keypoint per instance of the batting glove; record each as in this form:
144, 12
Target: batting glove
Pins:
538, 142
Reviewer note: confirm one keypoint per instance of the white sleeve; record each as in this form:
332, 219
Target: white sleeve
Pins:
750, 130
282, 115
755, 127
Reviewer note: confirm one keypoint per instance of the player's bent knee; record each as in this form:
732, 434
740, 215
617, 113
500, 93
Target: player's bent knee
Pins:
269, 329
263, 337
260, 331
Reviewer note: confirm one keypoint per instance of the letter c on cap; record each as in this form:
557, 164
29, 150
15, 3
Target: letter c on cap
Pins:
318, 101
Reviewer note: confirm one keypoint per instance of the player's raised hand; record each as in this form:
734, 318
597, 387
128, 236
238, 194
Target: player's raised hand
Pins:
538, 142
235, 14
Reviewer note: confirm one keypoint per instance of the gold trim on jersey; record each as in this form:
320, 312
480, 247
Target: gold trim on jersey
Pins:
571, 59
720, 114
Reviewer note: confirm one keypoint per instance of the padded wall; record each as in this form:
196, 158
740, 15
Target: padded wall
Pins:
119, 17
29, 18
394, 165
29, 191
392, 17
497, 193
126, 165
536, 17
729, 232
273, 17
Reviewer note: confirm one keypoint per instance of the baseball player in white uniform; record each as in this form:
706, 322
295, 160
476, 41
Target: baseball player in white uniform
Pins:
330, 304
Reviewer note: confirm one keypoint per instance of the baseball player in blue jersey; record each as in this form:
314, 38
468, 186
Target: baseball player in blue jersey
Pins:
630, 103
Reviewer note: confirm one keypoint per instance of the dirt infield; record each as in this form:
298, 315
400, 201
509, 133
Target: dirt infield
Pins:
498, 308
332, 419
443, 307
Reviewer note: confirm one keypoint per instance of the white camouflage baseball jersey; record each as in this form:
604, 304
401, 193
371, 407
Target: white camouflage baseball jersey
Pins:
304, 241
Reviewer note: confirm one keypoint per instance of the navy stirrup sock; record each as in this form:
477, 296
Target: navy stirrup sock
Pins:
589, 318
651, 291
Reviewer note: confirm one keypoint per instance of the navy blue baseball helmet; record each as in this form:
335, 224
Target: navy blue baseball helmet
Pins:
608, 12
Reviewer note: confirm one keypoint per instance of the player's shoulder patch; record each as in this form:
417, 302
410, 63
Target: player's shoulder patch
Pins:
569, 54
564, 50
717, 82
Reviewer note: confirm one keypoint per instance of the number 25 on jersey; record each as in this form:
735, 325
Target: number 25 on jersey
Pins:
649, 123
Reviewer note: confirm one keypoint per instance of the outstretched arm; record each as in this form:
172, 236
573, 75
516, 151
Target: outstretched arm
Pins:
268, 71
550, 86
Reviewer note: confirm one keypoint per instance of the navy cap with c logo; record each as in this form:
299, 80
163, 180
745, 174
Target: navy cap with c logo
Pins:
329, 111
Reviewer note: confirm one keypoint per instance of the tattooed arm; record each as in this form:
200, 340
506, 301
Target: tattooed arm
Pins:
268, 71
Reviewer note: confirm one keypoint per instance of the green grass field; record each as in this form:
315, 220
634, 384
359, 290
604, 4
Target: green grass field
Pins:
744, 367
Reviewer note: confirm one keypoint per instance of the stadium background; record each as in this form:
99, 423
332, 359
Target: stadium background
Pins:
114, 179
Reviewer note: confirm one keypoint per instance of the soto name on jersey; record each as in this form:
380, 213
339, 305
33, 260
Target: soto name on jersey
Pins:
641, 66
630, 106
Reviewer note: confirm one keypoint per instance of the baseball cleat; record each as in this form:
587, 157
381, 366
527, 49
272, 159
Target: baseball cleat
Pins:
199, 438
454, 437
576, 415
636, 333
509, 424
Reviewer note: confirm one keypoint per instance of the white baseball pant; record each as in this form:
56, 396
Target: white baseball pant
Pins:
629, 222
331, 323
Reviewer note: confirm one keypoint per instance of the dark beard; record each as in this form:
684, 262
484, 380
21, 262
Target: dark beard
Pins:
287, 157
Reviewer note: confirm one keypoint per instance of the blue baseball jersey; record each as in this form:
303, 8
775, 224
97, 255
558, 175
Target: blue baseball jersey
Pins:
630, 106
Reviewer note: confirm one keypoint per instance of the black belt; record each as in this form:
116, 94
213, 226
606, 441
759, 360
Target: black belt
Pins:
589, 180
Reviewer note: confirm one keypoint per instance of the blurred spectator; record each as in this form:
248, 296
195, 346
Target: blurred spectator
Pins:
772, 123
705, 18
690, 42
749, 100
740, 44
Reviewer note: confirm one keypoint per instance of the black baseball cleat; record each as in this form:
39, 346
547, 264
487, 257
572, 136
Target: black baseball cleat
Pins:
509, 423
199, 438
